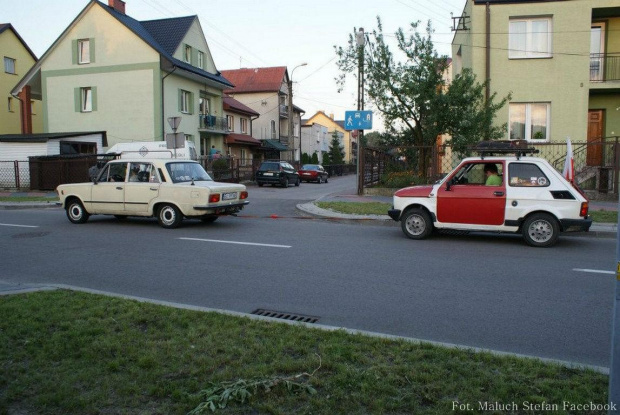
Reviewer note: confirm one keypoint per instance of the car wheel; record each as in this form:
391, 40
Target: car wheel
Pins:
541, 230
209, 218
285, 182
169, 216
76, 212
320, 180
416, 223
326, 180
298, 182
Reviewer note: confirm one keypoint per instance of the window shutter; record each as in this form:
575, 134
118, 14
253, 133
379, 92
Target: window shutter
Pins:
77, 94
91, 45
93, 97
74, 51
194, 57
191, 103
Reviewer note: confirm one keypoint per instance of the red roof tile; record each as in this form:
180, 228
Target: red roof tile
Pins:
234, 138
231, 104
255, 79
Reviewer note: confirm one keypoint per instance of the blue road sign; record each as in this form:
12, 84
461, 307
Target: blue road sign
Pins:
357, 120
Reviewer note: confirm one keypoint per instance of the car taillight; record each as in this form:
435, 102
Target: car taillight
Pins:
214, 198
584, 209
243, 195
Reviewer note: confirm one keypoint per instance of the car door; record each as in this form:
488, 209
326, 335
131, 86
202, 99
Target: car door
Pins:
141, 188
465, 198
108, 195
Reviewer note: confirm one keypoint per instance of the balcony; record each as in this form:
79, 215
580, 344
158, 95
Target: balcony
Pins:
283, 111
213, 123
604, 67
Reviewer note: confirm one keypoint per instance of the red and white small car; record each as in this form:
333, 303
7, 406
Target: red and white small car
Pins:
532, 198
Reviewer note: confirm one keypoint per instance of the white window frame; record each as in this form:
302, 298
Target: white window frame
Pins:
526, 108
187, 54
201, 59
86, 99
9, 65
243, 125
516, 52
83, 51
230, 122
186, 97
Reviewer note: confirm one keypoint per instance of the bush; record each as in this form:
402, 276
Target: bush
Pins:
401, 179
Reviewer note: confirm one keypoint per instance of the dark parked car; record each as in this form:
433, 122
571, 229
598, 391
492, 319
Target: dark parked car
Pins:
313, 173
277, 172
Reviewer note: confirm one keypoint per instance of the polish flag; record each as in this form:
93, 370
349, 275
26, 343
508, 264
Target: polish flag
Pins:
569, 163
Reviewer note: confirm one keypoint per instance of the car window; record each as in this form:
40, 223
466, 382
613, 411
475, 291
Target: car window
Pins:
113, 172
269, 166
143, 172
288, 166
187, 172
474, 173
309, 167
527, 174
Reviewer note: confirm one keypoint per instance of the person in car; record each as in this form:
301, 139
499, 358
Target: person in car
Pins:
493, 179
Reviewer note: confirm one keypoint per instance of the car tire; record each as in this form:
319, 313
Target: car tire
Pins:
209, 218
541, 230
326, 180
285, 182
416, 223
298, 182
320, 181
169, 216
76, 212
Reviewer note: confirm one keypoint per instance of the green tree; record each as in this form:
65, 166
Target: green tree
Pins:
336, 152
315, 158
305, 158
414, 98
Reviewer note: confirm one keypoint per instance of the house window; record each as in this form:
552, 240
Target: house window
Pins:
230, 121
530, 121
244, 155
273, 129
32, 111
9, 65
187, 54
597, 51
83, 51
244, 125
201, 60
204, 105
530, 38
74, 147
86, 99
185, 102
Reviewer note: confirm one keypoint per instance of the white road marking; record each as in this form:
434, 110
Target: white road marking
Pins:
18, 226
236, 242
594, 271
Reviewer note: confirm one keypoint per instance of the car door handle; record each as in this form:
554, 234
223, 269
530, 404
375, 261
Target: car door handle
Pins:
498, 193
154, 188
119, 188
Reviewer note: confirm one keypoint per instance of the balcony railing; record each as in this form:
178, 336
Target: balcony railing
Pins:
604, 67
213, 123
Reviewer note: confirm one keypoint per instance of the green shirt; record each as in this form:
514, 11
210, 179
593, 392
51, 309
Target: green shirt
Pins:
494, 180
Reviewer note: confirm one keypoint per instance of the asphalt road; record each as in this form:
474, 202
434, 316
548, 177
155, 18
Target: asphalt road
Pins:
487, 291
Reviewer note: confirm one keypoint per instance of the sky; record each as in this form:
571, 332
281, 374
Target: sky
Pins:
265, 33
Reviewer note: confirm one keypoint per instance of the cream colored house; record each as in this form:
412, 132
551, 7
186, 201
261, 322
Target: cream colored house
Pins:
266, 91
559, 59
349, 142
17, 60
110, 72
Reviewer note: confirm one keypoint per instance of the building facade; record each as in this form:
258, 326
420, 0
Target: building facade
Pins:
349, 143
110, 72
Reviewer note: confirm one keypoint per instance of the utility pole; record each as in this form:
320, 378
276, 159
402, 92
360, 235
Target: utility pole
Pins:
291, 124
360, 40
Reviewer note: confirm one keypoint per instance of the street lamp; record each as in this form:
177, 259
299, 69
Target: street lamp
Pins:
290, 111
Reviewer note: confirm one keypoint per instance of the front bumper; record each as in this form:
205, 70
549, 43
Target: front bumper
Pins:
576, 225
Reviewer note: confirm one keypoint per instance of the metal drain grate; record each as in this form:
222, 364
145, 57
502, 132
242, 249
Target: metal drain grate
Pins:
285, 316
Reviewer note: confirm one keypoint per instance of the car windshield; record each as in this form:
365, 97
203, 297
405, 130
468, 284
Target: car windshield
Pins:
187, 172
309, 167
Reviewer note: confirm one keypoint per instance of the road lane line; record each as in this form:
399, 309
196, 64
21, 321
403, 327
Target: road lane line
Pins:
235, 242
594, 271
18, 226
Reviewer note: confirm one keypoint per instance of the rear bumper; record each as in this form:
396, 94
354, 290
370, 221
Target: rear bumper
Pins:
576, 225
222, 209
394, 214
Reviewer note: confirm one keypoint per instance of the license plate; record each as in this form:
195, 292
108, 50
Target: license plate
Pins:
267, 174
306, 174
229, 196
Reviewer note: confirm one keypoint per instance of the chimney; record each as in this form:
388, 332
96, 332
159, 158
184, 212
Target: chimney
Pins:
118, 5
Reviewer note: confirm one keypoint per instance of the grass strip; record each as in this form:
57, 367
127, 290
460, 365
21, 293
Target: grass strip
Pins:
72, 352
356, 208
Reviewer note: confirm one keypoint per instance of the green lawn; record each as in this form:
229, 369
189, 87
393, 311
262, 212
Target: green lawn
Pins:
77, 353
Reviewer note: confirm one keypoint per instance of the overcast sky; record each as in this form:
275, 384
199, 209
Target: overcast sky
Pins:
250, 33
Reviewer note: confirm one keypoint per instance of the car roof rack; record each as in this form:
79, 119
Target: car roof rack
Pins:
513, 147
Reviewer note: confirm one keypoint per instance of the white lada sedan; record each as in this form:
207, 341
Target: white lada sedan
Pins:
515, 194
168, 189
